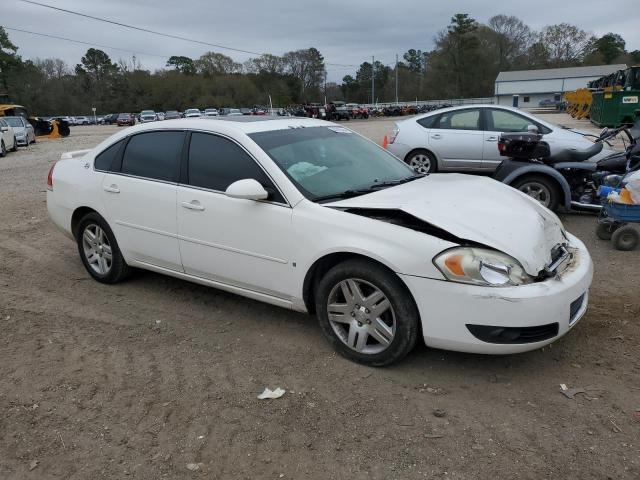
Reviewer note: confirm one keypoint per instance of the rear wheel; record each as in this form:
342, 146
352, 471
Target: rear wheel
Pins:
367, 313
422, 161
540, 188
15, 145
99, 250
3, 149
604, 231
625, 238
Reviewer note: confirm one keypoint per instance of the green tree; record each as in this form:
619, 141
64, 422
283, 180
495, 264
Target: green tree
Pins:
213, 63
9, 60
608, 47
566, 44
181, 64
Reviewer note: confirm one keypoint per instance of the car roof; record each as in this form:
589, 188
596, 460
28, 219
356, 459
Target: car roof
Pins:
245, 124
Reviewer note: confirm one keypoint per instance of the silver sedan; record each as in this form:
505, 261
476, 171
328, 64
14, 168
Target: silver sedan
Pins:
25, 135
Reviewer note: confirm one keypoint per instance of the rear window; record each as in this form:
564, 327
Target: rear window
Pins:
429, 122
106, 159
154, 155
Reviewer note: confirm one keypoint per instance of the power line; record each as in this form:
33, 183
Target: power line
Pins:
91, 44
146, 30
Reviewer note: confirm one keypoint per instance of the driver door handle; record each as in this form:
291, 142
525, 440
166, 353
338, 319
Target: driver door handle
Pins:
492, 139
436, 136
113, 188
193, 205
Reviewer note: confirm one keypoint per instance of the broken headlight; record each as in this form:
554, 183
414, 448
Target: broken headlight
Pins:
481, 266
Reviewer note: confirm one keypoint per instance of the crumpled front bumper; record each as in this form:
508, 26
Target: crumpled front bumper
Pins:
446, 308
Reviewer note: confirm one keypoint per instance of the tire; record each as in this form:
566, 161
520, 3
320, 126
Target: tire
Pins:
15, 145
378, 341
97, 249
625, 238
422, 161
3, 149
604, 231
540, 188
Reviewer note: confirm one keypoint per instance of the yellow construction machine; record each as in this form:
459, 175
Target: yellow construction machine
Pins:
44, 129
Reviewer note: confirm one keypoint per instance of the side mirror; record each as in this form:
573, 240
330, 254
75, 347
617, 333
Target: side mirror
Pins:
532, 129
248, 189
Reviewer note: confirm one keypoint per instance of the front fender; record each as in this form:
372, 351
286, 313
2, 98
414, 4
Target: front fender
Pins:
528, 168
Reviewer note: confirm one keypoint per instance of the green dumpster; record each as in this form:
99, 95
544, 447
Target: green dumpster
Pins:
614, 108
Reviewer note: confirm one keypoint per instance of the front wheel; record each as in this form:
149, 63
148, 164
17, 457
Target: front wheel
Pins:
605, 231
367, 313
99, 250
15, 145
539, 188
625, 238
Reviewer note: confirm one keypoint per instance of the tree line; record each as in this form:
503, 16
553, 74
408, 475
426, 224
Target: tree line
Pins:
464, 62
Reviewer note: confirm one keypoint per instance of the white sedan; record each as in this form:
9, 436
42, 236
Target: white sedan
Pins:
8, 140
310, 216
465, 139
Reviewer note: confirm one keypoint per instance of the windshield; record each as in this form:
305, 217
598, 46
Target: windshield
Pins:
14, 122
147, 112
193, 110
124, 115
325, 162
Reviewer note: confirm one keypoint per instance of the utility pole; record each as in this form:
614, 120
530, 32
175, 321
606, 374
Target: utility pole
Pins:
396, 78
373, 80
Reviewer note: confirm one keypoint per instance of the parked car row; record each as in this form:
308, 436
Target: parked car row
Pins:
15, 132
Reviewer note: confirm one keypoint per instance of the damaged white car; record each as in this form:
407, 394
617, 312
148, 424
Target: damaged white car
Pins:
307, 215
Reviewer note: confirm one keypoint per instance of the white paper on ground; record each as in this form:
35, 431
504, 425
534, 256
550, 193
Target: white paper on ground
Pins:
277, 393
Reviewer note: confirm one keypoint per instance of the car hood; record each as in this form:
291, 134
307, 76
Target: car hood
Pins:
477, 209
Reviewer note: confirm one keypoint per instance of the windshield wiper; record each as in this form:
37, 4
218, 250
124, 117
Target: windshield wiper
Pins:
393, 183
362, 191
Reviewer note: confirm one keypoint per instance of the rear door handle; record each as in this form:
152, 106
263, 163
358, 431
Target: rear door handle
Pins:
193, 205
436, 136
111, 188
492, 139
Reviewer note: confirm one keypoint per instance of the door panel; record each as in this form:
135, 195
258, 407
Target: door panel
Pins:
498, 121
142, 215
244, 243
458, 139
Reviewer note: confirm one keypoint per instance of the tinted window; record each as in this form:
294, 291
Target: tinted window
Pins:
460, 120
428, 122
105, 160
153, 155
215, 163
506, 121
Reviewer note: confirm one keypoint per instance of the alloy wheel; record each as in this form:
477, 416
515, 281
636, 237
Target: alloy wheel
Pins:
421, 163
361, 316
97, 249
537, 191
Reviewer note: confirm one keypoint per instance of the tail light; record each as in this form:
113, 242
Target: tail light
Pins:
50, 178
502, 147
394, 135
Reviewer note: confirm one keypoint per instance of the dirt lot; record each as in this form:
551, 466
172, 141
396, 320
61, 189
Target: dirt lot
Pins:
140, 379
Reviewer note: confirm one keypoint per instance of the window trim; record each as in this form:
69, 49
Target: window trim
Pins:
543, 129
183, 180
481, 127
116, 164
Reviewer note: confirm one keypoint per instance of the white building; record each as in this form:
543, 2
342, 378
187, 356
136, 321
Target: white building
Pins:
527, 88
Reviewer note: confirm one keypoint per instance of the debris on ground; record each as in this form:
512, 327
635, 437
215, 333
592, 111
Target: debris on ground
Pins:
269, 394
570, 392
194, 467
438, 412
33, 464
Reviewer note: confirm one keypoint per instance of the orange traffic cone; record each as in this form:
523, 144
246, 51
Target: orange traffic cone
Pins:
385, 142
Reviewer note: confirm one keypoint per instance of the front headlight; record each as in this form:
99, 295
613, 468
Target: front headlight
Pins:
481, 266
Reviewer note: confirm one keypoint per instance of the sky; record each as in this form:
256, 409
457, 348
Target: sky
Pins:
347, 32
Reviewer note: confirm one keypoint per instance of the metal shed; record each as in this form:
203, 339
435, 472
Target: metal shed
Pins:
527, 88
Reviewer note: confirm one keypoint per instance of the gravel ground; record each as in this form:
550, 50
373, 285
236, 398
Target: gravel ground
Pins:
158, 378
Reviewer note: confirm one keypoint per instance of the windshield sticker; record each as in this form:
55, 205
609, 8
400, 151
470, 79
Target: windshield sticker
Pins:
340, 129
